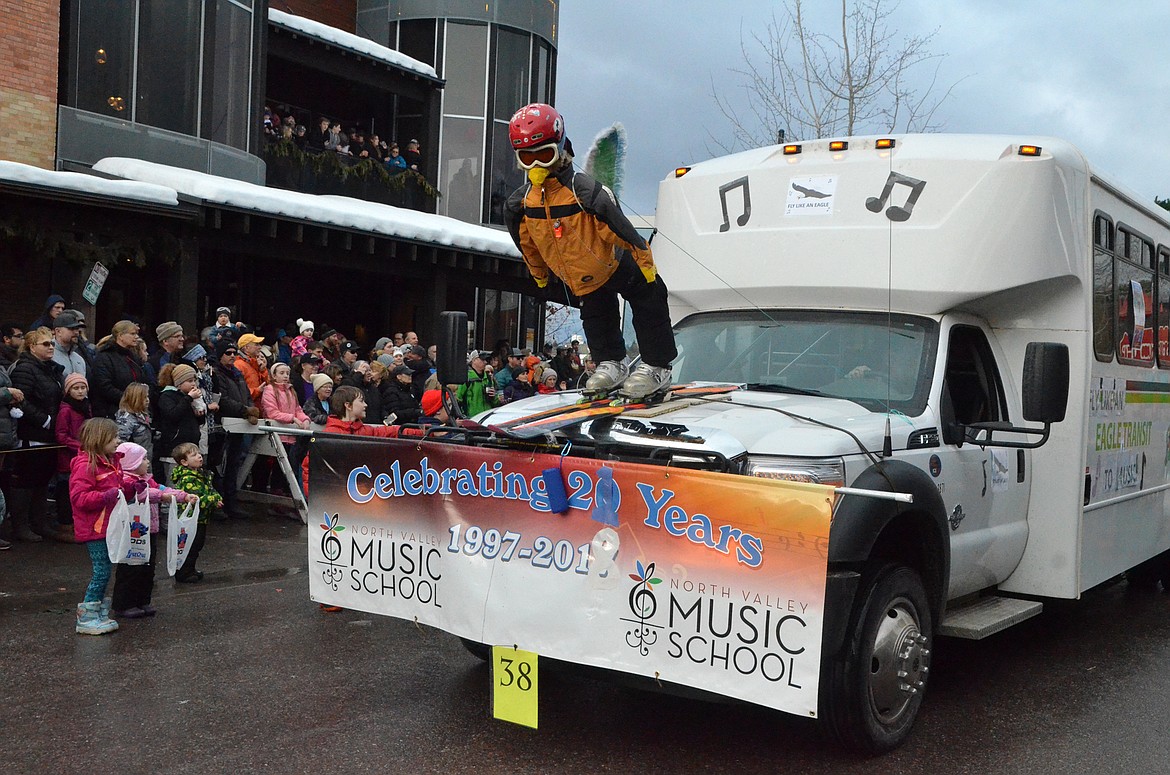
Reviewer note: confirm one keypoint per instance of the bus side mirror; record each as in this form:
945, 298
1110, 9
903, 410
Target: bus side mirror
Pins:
1045, 383
452, 356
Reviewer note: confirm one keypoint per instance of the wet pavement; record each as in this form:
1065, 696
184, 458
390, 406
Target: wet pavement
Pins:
242, 673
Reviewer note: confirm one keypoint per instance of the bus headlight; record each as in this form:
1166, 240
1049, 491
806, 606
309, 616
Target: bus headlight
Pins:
814, 470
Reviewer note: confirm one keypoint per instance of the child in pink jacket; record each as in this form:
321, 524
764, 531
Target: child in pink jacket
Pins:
133, 584
278, 402
94, 481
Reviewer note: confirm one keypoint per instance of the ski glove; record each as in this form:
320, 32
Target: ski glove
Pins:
541, 282
649, 273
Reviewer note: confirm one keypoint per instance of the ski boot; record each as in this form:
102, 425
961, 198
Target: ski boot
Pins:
608, 376
645, 382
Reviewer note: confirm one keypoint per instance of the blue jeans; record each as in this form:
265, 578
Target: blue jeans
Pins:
100, 557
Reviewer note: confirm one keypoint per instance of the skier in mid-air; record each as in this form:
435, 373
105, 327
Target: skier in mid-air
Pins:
570, 225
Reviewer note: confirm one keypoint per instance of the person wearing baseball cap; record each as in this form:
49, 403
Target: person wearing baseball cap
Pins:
234, 401
513, 365
171, 343
415, 358
67, 329
478, 394
248, 363
398, 396
302, 377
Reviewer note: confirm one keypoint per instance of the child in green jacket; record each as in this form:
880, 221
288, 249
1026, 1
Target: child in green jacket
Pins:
189, 476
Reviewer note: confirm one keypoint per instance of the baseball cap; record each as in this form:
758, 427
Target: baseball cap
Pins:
69, 318
401, 370
350, 347
250, 339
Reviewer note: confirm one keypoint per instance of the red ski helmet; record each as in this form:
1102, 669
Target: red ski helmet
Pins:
534, 125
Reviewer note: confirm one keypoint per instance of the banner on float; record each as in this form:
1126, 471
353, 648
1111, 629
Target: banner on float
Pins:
707, 580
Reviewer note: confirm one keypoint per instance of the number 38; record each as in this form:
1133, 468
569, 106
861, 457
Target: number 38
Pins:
522, 680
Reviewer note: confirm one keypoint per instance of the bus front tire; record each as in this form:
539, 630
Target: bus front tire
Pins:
875, 689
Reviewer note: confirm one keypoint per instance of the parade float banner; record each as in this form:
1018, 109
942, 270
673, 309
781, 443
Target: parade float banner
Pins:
708, 580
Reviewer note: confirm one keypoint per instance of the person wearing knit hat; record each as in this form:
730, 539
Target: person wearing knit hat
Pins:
380, 345
300, 343
71, 415
317, 407
134, 584
75, 379
171, 342
180, 410
433, 409
548, 381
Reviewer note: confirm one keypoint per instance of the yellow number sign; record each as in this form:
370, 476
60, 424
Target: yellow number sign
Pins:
514, 685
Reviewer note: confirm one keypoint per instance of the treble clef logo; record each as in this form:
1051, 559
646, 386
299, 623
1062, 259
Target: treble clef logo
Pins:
331, 551
643, 605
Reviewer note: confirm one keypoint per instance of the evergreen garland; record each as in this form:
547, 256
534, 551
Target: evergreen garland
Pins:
329, 164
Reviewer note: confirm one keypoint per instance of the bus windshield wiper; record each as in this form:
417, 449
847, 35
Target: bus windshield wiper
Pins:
772, 387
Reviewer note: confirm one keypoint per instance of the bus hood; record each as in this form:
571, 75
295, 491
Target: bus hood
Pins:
744, 421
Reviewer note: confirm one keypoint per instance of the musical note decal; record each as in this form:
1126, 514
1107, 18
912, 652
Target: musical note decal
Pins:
897, 212
747, 202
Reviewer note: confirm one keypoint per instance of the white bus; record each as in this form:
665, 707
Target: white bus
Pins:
948, 358
907, 275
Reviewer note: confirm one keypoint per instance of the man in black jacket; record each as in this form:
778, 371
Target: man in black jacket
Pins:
398, 398
414, 357
234, 401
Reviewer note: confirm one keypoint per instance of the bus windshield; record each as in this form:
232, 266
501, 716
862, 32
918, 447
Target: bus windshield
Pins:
877, 360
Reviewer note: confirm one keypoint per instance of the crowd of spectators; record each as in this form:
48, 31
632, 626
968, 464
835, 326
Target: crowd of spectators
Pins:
178, 391
328, 135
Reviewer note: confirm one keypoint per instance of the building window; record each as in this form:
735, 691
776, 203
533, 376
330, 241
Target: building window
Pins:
145, 62
416, 39
506, 175
465, 69
169, 42
103, 68
231, 93
511, 73
462, 173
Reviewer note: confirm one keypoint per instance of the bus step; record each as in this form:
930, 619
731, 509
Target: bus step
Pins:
987, 616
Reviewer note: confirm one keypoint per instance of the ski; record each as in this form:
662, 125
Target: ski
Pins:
552, 420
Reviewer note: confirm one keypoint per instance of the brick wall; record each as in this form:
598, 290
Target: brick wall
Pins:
30, 31
341, 14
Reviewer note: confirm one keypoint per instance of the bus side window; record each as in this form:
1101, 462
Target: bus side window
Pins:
972, 390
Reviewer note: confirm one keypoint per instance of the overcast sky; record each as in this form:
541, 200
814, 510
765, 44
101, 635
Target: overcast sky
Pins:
1091, 72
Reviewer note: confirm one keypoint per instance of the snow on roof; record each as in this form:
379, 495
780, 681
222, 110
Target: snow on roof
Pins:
343, 39
340, 211
87, 184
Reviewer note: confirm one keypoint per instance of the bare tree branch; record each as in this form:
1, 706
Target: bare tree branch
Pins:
813, 84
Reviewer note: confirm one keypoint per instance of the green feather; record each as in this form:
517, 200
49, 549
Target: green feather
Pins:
606, 160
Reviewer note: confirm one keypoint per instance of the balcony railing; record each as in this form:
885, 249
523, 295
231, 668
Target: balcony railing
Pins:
331, 173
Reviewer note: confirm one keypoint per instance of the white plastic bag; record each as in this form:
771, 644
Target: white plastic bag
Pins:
128, 532
181, 529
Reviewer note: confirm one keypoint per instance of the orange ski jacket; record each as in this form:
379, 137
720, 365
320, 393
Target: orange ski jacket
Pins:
572, 226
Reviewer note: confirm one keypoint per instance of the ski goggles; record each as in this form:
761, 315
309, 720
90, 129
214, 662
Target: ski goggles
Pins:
543, 156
